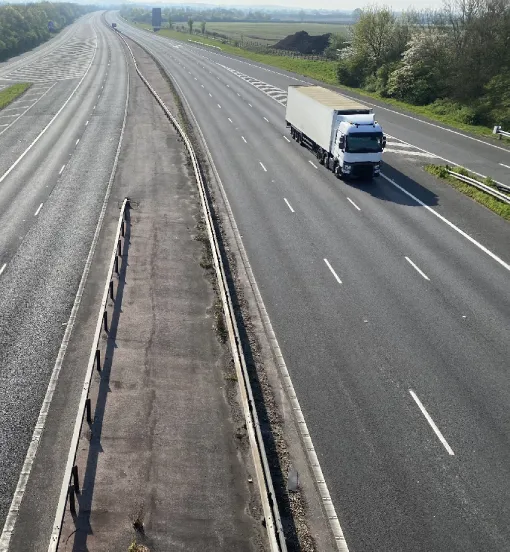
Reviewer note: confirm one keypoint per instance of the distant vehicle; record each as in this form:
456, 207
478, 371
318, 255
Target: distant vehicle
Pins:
114, 25
342, 133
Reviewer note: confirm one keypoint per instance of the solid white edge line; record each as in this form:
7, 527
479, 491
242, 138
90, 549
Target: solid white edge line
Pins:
289, 205
38, 209
313, 459
3, 268
417, 269
506, 166
450, 224
55, 535
12, 515
285, 137
431, 423
244, 139
61, 170
332, 271
262, 165
350, 200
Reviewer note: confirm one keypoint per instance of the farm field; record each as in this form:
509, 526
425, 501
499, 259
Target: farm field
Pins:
273, 32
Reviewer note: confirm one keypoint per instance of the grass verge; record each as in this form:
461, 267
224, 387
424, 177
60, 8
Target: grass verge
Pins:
9, 94
325, 71
492, 203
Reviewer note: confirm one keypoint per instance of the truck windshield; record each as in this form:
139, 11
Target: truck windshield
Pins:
364, 142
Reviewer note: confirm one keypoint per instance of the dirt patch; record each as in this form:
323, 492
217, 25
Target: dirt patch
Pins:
304, 43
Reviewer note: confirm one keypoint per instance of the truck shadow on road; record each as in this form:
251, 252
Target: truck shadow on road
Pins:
380, 188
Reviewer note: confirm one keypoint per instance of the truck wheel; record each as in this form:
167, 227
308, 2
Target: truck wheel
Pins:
338, 172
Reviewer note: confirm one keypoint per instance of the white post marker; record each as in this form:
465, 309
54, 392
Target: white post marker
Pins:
332, 271
417, 269
431, 423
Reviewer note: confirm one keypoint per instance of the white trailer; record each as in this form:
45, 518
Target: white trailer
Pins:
341, 132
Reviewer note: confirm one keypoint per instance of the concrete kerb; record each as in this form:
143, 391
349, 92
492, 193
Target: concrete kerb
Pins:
272, 517
70, 485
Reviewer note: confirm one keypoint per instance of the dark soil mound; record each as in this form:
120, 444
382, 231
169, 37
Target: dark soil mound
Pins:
303, 43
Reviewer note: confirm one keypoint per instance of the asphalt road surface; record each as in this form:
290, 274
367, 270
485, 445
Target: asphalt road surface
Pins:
390, 302
57, 148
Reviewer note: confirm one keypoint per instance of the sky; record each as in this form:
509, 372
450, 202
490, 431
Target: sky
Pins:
397, 5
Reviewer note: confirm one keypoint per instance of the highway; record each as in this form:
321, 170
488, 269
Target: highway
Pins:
390, 303
57, 148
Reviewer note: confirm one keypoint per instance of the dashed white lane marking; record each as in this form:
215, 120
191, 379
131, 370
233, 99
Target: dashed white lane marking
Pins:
417, 269
289, 205
202, 86
450, 224
262, 165
61, 170
229, 120
332, 271
210, 95
313, 164
38, 210
238, 94
431, 423
3, 268
506, 166
267, 120
219, 106
244, 139
94, 107
250, 105
351, 201
13, 115
86, 123
77, 142
287, 139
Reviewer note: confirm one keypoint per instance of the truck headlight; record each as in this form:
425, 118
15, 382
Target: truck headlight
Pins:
377, 167
346, 168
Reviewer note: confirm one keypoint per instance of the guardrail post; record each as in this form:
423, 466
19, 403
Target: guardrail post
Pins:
88, 410
119, 249
72, 501
111, 290
105, 321
76, 480
116, 264
98, 360
123, 228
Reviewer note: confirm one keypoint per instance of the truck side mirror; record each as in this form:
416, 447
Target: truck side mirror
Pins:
341, 142
383, 142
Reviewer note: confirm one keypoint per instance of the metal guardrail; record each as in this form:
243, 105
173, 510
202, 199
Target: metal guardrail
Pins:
204, 44
484, 187
71, 476
500, 132
272, 518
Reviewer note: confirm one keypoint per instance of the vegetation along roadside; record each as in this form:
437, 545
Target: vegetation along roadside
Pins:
450, 65
9, 94
492, 203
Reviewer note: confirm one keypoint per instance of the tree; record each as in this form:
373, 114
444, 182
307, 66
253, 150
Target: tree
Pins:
170, 22
190, 25
202, 27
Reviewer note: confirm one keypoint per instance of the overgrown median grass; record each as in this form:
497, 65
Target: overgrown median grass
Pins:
326, 71
9, 94
492, 203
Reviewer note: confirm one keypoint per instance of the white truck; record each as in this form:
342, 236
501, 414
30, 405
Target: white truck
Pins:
342, 133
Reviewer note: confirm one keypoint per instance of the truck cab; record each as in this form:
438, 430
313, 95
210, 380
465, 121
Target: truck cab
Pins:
358, 146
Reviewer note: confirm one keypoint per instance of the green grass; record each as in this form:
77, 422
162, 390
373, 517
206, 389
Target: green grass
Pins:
498, 207
325, 71
272, 32
9, 94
